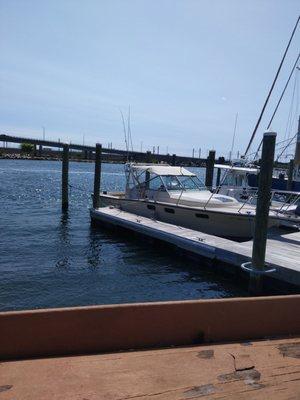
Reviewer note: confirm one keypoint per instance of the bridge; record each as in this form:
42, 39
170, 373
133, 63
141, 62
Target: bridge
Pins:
124, 154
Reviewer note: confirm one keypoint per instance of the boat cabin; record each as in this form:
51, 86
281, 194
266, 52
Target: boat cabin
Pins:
146, 181
165, 183
236, 181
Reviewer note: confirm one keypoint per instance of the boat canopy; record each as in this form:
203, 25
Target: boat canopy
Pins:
238, 169
164, 170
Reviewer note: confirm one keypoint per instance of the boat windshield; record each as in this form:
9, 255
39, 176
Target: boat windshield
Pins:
181, 182
190, 183
234, 180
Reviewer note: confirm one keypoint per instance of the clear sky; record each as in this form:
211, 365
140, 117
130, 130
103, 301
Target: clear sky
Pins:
184, 67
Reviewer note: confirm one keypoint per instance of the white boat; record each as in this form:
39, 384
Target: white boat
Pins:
238, 181
175, 195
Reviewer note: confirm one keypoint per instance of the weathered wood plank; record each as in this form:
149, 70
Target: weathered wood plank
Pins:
251, 370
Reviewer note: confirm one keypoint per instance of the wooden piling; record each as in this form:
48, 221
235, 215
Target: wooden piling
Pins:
218, 177
210, 169
262, 213
290, 175
148, 157
174, 160
97, 176
65, 178
147, 177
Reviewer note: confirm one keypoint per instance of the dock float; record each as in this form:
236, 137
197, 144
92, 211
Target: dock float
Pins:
283, 247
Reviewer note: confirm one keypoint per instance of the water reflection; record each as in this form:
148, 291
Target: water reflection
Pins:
94, 248
64, 227
61, 260
64, 242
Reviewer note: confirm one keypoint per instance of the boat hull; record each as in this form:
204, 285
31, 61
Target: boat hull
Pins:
225, 224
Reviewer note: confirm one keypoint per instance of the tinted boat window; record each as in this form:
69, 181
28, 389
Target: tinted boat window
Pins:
181, 182
199, 215
171, 182
150, 206
188, 183
156, 184
170, 210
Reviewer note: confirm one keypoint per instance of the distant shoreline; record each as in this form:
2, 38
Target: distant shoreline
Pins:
17, 157
24, 158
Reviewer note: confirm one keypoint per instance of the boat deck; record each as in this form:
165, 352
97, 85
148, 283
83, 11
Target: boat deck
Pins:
247, 370
283, 247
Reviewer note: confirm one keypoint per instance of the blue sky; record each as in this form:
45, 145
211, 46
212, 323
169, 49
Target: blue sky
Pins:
184, 67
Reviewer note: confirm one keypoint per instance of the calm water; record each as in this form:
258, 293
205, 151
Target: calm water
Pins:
51, 260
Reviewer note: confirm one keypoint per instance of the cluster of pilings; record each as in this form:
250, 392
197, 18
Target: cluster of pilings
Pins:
257, 267
97, 176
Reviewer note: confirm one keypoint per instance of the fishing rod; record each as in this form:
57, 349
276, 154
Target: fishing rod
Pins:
272, 87
125, 133
129, 129
233, 137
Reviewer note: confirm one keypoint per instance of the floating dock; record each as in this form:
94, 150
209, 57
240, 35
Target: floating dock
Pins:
283, 247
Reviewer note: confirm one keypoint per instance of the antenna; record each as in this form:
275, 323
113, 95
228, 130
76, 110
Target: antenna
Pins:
124, 130
129, 130
233, 137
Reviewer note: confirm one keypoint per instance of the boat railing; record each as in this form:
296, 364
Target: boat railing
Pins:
179, 197
291, 200
288, 203
210, 197
248, 200
217, 189
254, 195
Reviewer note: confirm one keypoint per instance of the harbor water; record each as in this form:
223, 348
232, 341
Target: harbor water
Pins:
50, 259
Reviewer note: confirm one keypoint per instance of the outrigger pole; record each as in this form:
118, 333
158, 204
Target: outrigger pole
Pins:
272, 87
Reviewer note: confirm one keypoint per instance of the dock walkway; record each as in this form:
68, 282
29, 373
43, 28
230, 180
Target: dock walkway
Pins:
250, 370
234, 348
283, 247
